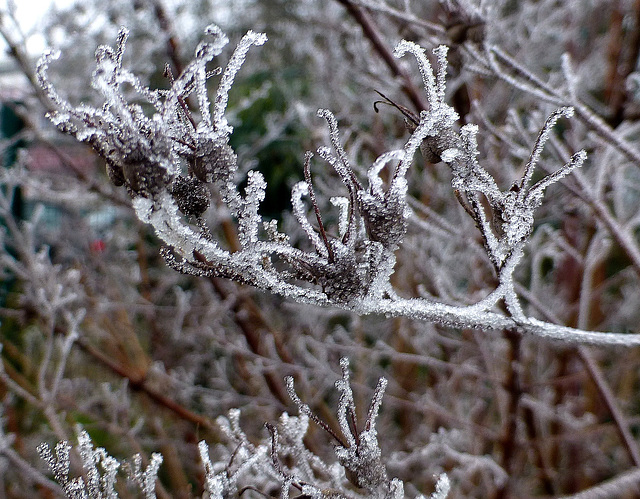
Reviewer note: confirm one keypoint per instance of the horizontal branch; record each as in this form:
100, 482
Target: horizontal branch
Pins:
469, 317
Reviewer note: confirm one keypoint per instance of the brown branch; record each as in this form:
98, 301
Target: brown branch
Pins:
621, 423
173, 46
512, 385
595, 373
137, 382
623, 53
371, 31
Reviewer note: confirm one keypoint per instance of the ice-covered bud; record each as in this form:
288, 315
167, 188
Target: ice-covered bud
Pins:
364, 468
343, 279
385, 221
432, 148
142, 174
213, 161
190, 195
340, 280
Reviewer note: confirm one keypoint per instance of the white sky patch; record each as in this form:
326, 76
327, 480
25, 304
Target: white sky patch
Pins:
28, 14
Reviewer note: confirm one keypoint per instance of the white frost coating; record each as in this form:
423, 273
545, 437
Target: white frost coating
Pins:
373, 174
351, 272
97, 484
222, 95
100, 470
302, 189
424, 65
450, 155
543, 136
213, 483
146, 478
441, 80
342, 165
396, 489
164, 217
443, 486
220, 39
342, 204
250, 220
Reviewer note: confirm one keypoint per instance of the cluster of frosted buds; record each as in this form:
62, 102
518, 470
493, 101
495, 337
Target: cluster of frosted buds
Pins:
373, 219
512, 212
510, 222
372, 222
357, 450
162, 150
132, 144
100, 470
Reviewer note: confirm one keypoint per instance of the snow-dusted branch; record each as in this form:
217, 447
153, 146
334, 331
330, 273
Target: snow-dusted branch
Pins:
359, 470
171, 163
100, 470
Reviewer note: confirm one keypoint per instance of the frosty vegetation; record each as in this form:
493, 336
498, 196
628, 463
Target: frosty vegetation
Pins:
359, 459
168, 161
448, 307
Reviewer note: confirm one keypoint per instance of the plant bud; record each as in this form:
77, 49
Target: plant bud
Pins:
190, 195
213, 161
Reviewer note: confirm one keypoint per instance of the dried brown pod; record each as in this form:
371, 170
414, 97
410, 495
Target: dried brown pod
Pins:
213, 161
190, 195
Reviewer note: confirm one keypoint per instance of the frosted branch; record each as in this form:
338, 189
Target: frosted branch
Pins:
169, 163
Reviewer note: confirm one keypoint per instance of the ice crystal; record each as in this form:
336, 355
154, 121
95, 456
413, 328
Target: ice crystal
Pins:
357, 450
146, 478
443, 485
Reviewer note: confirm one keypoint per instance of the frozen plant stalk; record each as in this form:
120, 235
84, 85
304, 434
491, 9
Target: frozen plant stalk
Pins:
170, 161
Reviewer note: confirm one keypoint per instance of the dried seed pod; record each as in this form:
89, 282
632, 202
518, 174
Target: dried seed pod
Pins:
191, 195
341, 281
385, 223
213, 161
146, 178
365, 474
432, 147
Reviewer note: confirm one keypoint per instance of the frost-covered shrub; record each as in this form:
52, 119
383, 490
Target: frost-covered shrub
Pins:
168, 162
259, 467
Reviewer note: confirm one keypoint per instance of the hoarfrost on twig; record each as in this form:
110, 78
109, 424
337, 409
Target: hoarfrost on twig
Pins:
169, 163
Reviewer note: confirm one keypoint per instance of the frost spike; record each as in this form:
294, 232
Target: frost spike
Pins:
543, 136
233, 66
424, 65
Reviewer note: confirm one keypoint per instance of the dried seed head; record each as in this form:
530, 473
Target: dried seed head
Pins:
432, 147
146, 178
365, 474
213, 161
385, 223
341, 281
190, 195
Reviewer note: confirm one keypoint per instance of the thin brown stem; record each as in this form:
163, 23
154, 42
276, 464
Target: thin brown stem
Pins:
513, 387
314, 202
371, 31
137, 382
